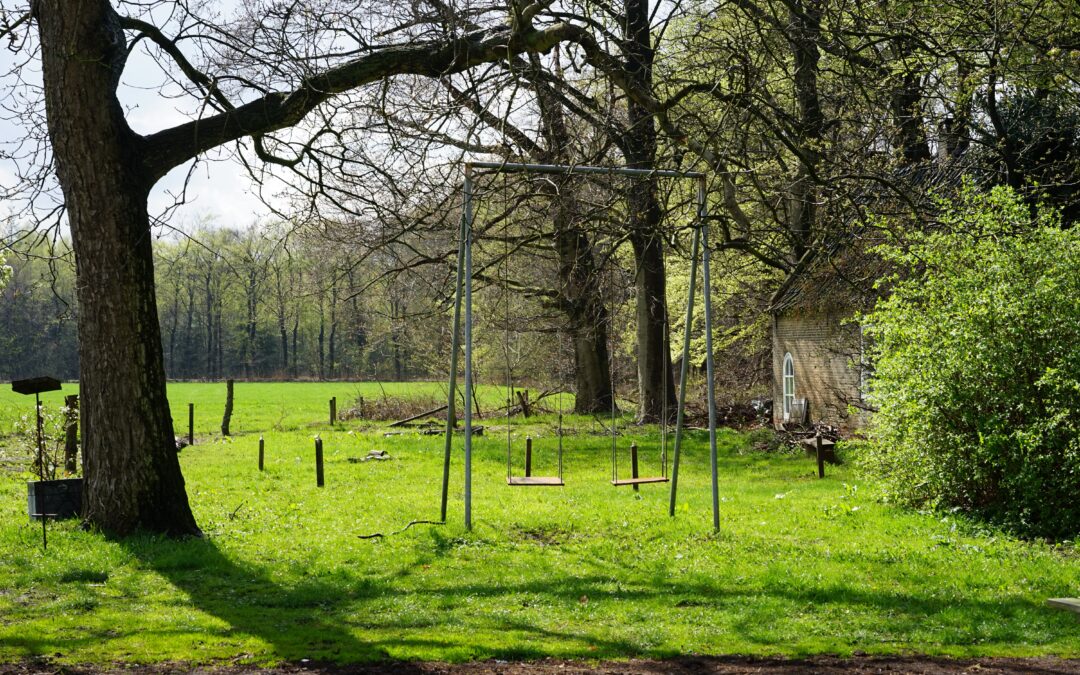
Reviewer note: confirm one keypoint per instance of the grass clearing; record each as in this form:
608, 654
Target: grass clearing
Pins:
260, 406
800, 566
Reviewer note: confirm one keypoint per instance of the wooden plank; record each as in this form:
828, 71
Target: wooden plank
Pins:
640, 481
1070, 604
534, 481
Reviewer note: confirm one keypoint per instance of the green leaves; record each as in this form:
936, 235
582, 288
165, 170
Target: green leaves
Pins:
977, 355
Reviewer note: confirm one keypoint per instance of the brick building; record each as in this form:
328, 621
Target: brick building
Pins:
819, 372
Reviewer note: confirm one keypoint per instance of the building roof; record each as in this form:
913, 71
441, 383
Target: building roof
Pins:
842, 275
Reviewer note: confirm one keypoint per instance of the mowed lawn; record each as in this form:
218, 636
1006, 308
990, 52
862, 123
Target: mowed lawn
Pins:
799, 566
259, 406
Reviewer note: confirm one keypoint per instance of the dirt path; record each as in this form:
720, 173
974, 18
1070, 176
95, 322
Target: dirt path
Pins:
682, 666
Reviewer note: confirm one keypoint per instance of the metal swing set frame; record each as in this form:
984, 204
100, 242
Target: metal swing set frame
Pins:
463, 300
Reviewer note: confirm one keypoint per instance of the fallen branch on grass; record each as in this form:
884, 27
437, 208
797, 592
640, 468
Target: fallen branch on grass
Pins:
376, 535
416, 417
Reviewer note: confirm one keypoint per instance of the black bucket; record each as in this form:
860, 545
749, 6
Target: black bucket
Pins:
57, 499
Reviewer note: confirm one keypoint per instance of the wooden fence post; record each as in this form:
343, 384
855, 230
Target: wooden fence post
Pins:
528, 456
228, 408
71, 438
191, 424
634, 464
318, 462
261, 454
820, 455
333, 410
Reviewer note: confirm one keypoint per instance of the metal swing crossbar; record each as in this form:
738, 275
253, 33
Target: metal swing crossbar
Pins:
463, 296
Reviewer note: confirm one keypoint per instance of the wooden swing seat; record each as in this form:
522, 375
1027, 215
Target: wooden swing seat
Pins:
640, 481
535, 481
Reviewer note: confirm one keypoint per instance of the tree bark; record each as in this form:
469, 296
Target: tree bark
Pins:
71, 435
656, 384
579, 290
906, 102
804, 36
133, 478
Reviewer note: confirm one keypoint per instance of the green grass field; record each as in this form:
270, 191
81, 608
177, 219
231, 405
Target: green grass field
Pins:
260, 406
800, 566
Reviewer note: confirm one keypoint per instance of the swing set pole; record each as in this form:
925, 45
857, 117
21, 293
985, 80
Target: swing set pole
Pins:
683, 368
456, 342
709, 373
701, 236
467, 229
463, 292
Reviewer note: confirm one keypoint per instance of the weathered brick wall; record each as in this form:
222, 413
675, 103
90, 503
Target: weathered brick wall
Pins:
826, 357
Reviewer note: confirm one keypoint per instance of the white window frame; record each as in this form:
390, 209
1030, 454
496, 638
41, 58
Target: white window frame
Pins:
788, 384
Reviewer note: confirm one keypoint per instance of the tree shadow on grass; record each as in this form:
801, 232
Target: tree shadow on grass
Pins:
321, 618
344, 616
326, 617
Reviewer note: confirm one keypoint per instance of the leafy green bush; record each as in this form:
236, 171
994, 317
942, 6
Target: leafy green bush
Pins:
977, 367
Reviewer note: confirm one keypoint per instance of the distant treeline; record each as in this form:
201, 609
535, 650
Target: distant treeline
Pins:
247, 304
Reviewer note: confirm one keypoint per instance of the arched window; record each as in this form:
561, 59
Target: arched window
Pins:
789, 384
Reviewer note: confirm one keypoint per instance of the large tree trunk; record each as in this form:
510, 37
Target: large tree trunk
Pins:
906, 102
133, 478
588, 325
579, 290
656, 385
579, 294
804, 36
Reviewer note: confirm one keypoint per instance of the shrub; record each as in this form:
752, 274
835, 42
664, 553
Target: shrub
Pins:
977, 367
54, 423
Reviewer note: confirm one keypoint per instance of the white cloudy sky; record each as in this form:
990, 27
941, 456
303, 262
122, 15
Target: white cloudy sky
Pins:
219, 190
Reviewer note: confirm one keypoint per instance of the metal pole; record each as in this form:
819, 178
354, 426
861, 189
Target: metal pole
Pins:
709, 367
468, 349
40, 442
683, 369
560, 438
456, 342
569, 169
